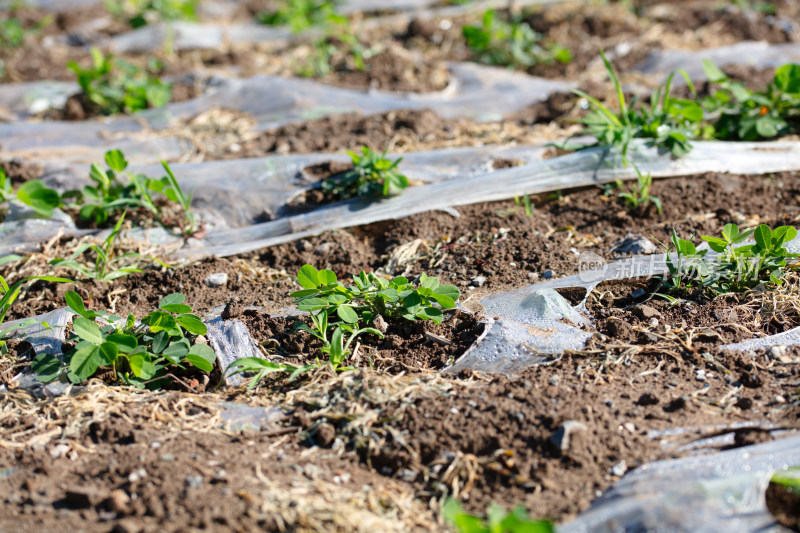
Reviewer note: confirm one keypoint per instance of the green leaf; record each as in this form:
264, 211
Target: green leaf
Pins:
107, 353
450, 291
347, 313
308, 277
75, 303
326, 277
202, 356
46, 367
176, 351
763, 236
445, 301
160, 321
730, 232
192, 324
176, 308
713, 73
715, 243
115, 159
125, 343
87, 330
430, 313
160, 341
171, 299
787, 78
84, 363
337, 347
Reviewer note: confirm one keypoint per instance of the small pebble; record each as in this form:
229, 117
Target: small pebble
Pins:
700, 375
478, 281
777, 352
638, 293
216, 280
630, 427
554, 379
193, 482
167, 457
137, 475
547, 274
619, 469
779, 399
653, 322
533, 275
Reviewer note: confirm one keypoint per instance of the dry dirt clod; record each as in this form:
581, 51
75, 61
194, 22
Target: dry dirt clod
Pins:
561, 439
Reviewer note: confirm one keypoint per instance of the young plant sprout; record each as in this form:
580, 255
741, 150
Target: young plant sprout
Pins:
139, 353
372, 176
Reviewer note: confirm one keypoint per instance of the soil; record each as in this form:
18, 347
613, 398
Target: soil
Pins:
416, 346
377, 449
784, 504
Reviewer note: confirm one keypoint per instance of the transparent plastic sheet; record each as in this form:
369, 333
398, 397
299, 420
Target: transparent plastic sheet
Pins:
719, 492
522, 327
787, 338
251, 187
754, 53
590, 167
478, 92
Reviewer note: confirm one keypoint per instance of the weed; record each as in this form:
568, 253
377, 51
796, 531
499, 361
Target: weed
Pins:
669, 123
33, 193
339, 313
497, 520
736, 267
748, 115
299, 15
525, 201
139, 354
513, 43
116, 86
373, 176
640, 196
9, 295
107, 266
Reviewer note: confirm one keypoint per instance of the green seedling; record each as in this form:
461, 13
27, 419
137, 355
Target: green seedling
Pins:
116, 86
513, 43
32, 193
139, 13
139, 354
669, 123
497, 520
9, 294
299, 15
640, 196
107, 265
525, 202
740, 268
338, 45
737, 267
339, 313
742, 114
13, 32
372, 176
789, 479
112, 194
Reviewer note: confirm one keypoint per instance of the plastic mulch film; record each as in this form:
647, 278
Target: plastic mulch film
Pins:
590, 167
524, 325
754, 53
251, 188
787, 338
719, 492
477, 92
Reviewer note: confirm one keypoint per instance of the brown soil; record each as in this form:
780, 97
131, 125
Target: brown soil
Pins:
19, 171
784, 504
393, 70
406, 346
